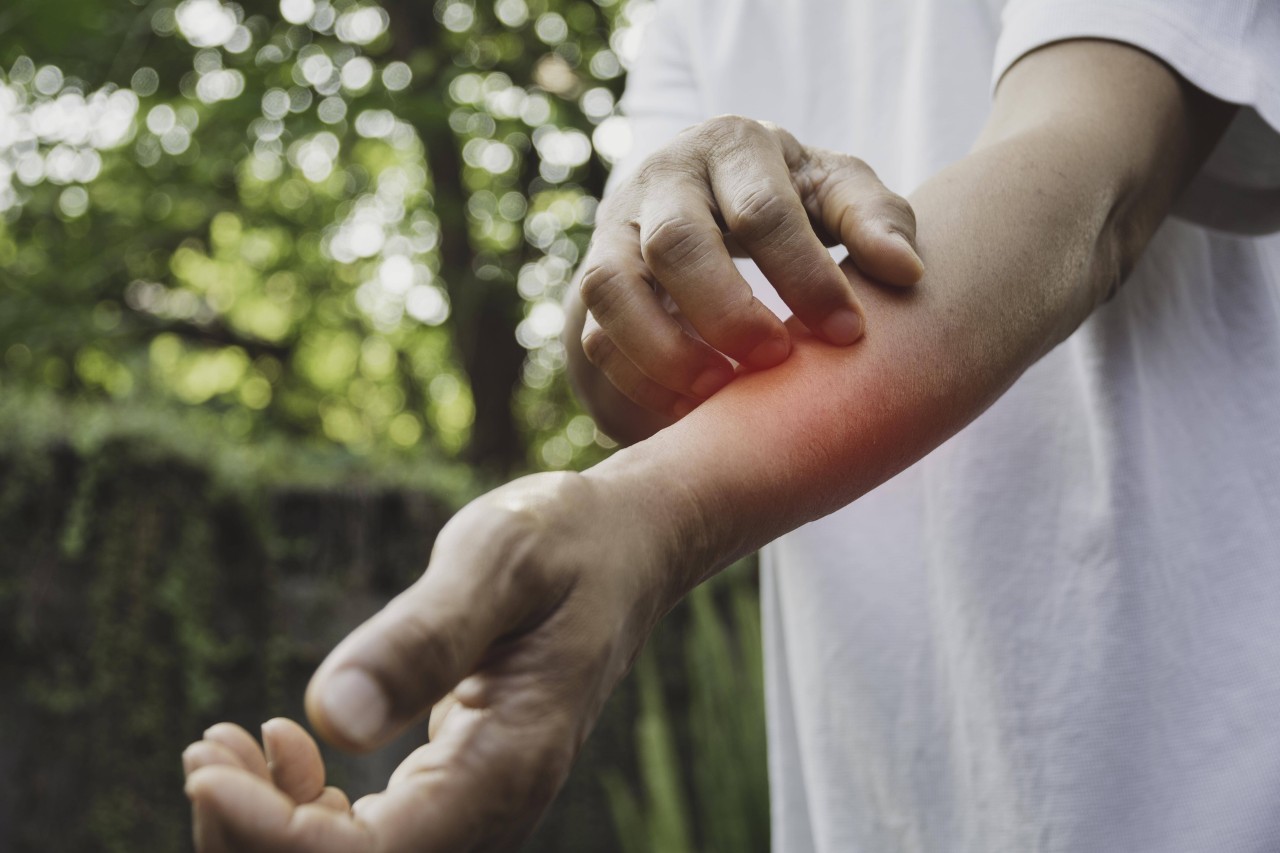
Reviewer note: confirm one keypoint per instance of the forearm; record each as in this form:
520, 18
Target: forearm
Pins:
1021, 240
780, 448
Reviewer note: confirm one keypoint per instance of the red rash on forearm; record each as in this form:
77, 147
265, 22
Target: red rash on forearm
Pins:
1020, 240
780, 448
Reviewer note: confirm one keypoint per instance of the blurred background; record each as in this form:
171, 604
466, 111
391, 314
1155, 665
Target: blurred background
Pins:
279, 291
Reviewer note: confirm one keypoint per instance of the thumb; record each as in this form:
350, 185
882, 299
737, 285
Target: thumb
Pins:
394, 667
878, 226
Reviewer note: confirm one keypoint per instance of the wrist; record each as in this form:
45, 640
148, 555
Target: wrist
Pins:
662, 518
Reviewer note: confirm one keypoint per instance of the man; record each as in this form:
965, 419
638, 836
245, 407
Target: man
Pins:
1057, 631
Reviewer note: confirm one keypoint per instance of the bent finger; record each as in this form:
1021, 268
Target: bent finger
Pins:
619, 290
334, 799
207, 753
241, 743
682, 244
877, 225
293, 759
632, 382
765, 215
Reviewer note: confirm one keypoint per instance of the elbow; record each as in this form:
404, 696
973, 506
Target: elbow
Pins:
1133, 215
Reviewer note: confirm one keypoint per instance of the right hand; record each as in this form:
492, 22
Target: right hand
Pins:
538, 597
668, 231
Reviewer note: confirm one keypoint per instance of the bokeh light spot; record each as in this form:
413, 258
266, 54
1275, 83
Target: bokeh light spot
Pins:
397, 76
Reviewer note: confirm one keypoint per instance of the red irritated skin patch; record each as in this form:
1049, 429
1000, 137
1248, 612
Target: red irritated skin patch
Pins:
1005, 282
661, 257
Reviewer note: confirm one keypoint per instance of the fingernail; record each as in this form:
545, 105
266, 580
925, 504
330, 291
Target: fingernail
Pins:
772, 352
355, 706
843, 327
906, 244
711, 381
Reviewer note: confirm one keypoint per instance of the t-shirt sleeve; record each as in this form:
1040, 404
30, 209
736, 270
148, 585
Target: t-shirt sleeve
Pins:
660, 98
1228, 48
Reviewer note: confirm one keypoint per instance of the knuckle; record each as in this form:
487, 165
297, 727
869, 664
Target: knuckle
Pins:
523, 537
653, 166
835, 168
759, 213
599, 284
729, 129
675, 161
784, 136
616, 206
673, 240
718, 126
774, 128
857, 164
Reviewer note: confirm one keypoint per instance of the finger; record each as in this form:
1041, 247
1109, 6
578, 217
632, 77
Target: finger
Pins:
334, 799
681, 243
764, 213
399, 663
632, 382
438, 714
251, 815
242, 743
877, 225
619, 290
207, 753
294, 759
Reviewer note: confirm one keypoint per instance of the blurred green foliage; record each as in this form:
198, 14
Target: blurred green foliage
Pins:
153, 584
156, 579
333, 220
280, 287
703, 782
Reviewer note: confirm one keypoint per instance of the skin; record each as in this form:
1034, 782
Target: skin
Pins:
528, 616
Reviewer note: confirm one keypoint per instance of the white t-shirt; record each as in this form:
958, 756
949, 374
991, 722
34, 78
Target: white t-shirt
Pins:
1061, 630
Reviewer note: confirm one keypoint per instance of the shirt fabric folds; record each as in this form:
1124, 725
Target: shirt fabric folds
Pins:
1060, 631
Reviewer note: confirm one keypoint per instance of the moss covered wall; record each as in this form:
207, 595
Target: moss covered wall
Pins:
150, 586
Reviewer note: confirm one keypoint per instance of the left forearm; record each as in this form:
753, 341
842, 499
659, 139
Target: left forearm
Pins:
1006, 280
1021, 240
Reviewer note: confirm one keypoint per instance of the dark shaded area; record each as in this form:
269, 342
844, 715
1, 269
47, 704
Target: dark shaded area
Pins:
143, 599
225, 440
